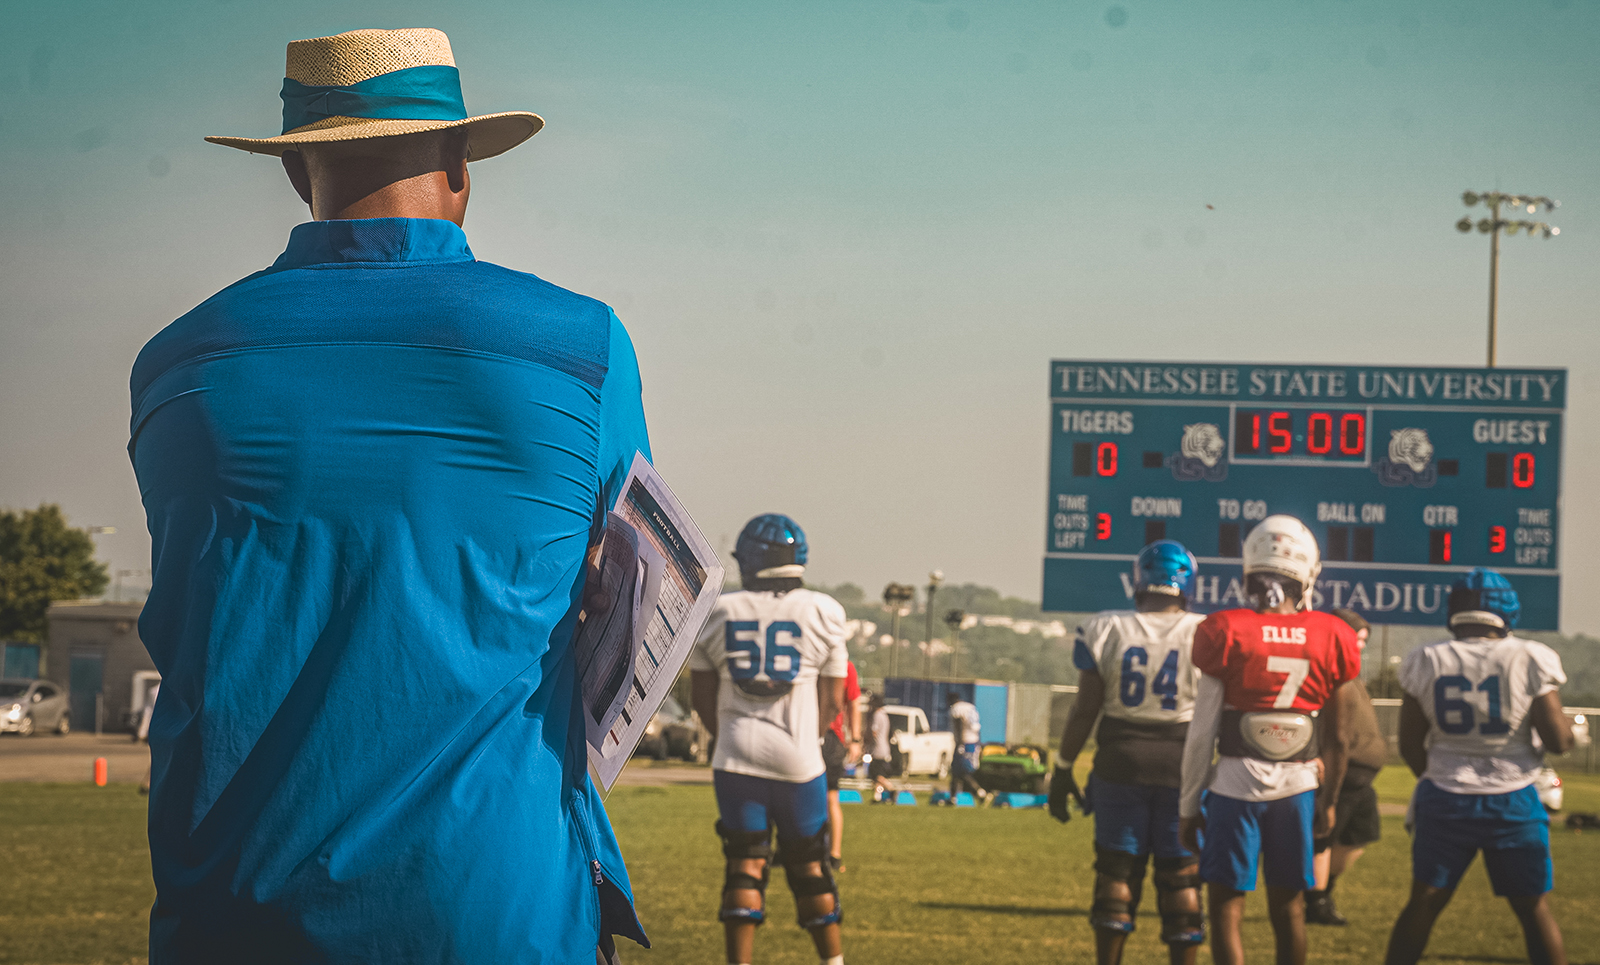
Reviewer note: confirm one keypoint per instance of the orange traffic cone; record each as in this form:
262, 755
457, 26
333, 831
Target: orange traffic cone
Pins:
100, 772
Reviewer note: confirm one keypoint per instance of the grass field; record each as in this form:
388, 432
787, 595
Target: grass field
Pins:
924, 885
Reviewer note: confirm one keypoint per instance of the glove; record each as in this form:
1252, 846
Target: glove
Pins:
1062, 786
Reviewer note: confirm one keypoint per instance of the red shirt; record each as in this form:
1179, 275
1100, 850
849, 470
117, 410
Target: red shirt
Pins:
852, 693
1277, 661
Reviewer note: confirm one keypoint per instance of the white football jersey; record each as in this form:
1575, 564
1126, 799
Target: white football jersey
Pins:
769, 649
1476, 694
1145, 661
965, 722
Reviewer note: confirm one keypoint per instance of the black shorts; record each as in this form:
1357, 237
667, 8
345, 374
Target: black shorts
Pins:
833, 755
879, 769
1356, 821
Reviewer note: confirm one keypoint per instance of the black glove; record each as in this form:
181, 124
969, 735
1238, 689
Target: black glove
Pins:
1062, 786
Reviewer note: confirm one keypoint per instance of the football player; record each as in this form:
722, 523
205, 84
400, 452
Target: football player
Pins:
1478, 714
967, 729
841, 746
1356, 822
1265, 673
768, 673
881, 766
1141, 659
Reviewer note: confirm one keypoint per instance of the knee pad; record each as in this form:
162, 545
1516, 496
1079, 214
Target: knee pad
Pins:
796, 854
746, 846
1125, 875
1179, 924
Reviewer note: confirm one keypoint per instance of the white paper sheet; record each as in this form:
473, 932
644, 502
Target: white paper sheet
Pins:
689, 578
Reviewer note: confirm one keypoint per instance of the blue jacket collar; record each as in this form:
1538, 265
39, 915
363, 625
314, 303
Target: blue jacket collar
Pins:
374, 240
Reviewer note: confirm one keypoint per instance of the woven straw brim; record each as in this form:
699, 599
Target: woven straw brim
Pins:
488, 134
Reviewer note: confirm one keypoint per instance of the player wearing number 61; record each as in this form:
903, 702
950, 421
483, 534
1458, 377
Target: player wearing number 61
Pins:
768, 674
1479, 713
1266, 673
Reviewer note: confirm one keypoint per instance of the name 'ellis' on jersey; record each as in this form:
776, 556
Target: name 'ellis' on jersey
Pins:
1145, 661
768, 650
1477, 695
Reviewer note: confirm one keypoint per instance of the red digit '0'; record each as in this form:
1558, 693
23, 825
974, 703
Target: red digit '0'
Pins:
1497, 539
1102, 526
1106, 459
1319, 432
1522, 470
1352, 434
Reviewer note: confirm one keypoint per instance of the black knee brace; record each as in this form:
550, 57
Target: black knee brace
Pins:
1124, 868
1179, 927
796, 854
745, 846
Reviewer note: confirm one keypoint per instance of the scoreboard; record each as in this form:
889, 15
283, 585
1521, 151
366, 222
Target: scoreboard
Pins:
1407, 476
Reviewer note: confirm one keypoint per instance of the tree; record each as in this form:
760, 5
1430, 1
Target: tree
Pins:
42, 560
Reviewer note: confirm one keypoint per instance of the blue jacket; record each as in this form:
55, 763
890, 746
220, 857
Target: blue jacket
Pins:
371, 474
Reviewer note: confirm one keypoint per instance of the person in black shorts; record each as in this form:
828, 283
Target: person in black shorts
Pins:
881, 768
1356, 823
841, 744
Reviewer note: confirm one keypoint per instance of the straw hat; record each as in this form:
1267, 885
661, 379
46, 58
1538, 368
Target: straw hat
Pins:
379, 83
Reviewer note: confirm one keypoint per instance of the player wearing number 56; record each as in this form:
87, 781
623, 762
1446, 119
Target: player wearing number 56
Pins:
1266, 674
768, 674
1472, 708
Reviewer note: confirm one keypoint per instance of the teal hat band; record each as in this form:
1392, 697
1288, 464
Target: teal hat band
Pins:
431, 93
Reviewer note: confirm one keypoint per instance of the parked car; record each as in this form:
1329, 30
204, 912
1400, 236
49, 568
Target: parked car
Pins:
918, 748
1019, 768
672, 732
29, 706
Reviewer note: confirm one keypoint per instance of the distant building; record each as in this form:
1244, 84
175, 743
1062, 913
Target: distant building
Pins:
21, 660
95, 652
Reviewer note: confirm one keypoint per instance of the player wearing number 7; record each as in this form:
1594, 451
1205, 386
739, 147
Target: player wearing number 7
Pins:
768, 673
1266, 673
1478, 715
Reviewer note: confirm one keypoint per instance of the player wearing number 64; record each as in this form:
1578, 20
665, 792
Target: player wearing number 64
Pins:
1136, 677
1266, 673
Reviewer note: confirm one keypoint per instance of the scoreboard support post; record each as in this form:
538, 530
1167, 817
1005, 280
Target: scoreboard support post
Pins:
1407, 476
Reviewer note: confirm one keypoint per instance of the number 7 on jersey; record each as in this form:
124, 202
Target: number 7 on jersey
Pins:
1297, 668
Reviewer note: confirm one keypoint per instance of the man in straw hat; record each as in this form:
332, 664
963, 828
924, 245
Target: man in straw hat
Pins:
373, 472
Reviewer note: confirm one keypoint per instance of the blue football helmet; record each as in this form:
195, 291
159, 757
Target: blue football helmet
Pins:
1164, 566
1484, 596
771, 546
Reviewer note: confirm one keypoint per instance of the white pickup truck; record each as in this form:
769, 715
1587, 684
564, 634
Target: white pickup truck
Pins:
922, 749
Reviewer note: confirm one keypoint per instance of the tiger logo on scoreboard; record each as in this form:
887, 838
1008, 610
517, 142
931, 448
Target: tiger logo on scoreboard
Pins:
1199, 455
1410, 461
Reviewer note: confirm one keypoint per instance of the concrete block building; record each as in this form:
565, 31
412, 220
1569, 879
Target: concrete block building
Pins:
95, 654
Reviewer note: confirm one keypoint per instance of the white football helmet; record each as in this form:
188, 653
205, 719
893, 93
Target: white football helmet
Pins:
1283, 546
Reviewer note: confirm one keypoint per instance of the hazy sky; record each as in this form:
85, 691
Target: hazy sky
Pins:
846, 235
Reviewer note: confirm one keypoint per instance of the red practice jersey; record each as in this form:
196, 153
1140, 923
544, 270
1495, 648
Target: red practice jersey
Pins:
1277, 661
852, 693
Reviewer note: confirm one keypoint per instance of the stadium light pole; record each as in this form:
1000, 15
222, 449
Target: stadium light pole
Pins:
1492, 226
952, 619
895, 597
934, 579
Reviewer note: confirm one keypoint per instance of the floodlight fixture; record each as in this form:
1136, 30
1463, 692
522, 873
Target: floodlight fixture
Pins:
1494, 226
895, 597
